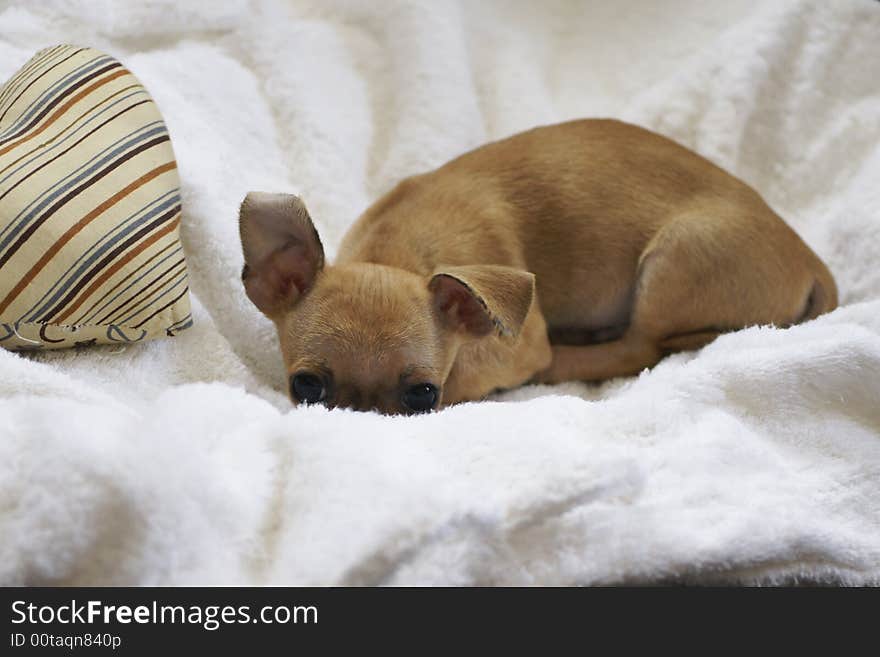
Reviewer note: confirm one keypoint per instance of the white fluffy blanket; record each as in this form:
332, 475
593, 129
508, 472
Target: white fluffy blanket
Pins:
756, 460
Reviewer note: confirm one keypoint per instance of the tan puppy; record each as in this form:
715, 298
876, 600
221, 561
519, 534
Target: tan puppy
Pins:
580, 251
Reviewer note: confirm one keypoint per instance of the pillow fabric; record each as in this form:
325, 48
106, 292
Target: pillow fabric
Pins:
89, 207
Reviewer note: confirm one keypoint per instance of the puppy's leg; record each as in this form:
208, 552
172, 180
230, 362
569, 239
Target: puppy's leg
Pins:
624, 357
701, 275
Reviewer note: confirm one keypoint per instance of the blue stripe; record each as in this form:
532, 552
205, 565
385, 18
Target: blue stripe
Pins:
86, 320
92, 166
181, 327
158, 297
186, 320
125, 338
88, 165
45, 151
37, 104
133, 225
7, 92
108, 236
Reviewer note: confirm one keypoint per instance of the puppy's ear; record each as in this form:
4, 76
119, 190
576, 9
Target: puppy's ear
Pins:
481, 299
282, 250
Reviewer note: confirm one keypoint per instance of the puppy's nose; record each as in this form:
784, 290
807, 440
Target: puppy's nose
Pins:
356, 400
366, 404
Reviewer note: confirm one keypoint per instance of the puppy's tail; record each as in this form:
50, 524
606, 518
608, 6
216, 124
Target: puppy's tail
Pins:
823, 295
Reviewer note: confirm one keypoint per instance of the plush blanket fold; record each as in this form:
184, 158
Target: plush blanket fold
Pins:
755, 460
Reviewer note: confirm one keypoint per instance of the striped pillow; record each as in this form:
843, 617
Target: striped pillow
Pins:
89, 207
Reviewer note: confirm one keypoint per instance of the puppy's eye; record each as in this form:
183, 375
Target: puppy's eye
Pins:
308, 388
421, 397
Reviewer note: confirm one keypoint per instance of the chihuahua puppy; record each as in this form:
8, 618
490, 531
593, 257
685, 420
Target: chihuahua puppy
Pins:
581, 251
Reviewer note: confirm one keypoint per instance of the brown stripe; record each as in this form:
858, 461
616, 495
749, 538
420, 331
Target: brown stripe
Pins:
8, 135
78, 226
69, 126
25, 236
65, 92
63, 109
167, 305
110, 271
37, 78
170, 273
122, 280
13, 83
31, 65
67, 150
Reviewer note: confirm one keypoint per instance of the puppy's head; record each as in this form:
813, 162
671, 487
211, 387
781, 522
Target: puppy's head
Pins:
363, 335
